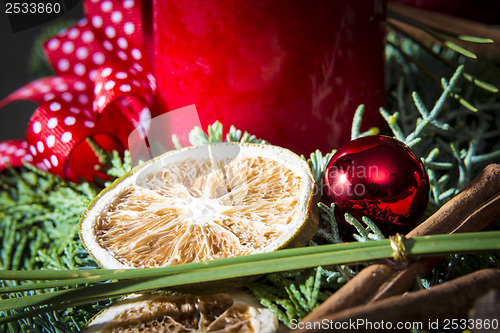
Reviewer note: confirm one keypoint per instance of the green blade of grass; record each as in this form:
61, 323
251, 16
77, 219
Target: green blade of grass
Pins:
202, 275
310, 257
97, 275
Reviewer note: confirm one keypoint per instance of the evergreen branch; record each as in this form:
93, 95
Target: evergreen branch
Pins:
481, 84
356, 122
495, 155
452, 34
414, 60
475, 39
470, 78
459, 49
318, 163
464, 103
328, 215
435, 33
438, 106
198, 137
391, 120
119, 166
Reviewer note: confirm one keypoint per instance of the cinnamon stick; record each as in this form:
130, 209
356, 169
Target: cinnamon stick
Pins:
475, 207
450, 300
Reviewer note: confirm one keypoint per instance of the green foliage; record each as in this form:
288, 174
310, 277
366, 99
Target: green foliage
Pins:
215, 133
37, 62
457, 265
39, 216
119, 166
318, 163
454, 142
292, 295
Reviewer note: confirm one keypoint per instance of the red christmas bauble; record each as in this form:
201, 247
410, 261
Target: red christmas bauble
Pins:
378, 177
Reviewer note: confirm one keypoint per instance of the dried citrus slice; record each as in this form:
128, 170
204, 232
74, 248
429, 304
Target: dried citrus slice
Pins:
202, 203
222, 313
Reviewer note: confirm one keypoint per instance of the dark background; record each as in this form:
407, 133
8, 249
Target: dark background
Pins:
15, 48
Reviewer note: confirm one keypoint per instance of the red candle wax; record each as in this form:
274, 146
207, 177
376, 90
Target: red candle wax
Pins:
290, 71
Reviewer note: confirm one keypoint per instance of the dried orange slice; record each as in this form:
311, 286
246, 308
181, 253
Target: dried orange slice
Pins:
202, 203
218, 313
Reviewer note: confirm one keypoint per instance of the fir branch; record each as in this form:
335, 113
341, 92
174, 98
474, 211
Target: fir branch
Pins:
356, 122
470, 78
448, 147
215, 133
39, 216
438, 34
438, 107
327, 217
318, 163
356, 125
119, 166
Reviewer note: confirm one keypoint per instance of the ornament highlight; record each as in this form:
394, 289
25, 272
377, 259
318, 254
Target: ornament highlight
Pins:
378, 177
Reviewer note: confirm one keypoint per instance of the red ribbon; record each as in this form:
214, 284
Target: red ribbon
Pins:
103, 89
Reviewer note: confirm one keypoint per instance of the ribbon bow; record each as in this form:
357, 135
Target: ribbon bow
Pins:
103, 90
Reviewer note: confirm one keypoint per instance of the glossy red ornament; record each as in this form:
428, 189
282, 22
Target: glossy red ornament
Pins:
378, 177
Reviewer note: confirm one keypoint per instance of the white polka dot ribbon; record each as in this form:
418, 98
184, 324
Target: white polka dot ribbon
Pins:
13, 152
102, 89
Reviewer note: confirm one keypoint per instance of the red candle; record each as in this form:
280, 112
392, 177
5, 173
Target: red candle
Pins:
290, 71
